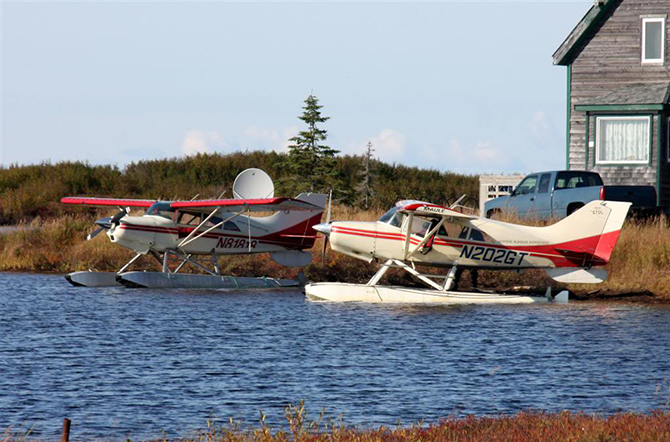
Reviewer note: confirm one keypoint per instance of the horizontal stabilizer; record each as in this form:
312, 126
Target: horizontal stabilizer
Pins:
579, 275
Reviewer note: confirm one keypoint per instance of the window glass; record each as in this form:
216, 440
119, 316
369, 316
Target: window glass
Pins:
420, 226
189, 219
228, 225
527, 186
544, 183
449, 229
392, 217
161, 209
594, 180
653, 40
478, 235
622, 140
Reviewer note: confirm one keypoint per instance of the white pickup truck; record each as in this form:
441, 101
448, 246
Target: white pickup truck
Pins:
556, 194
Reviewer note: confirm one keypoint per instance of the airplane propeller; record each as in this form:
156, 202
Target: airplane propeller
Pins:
107, 223
325, 229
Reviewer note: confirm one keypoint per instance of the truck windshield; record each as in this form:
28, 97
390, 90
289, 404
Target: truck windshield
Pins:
527, 185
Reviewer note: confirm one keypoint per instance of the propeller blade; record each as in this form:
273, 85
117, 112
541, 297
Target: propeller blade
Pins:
330, 203
95, 233
323, 252
115, 219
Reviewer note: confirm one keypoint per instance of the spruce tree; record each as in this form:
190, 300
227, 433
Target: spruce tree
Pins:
365, 176
311, 164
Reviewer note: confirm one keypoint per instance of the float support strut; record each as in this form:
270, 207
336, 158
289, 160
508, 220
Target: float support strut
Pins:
451, 278
375, 279
123, 269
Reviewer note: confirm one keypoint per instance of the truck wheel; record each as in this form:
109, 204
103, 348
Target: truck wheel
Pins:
574, 207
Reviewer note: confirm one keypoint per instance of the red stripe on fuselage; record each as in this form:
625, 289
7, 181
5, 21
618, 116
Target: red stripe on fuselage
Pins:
583, 248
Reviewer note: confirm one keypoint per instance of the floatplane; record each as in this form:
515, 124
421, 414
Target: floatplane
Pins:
420, 233
197, 232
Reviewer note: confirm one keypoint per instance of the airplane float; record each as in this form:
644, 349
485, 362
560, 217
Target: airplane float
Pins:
183, 232
419, 233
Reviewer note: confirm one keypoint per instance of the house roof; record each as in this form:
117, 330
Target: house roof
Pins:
584, 31
634, 94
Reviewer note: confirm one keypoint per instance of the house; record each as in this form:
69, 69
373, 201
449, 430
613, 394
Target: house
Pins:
618, 93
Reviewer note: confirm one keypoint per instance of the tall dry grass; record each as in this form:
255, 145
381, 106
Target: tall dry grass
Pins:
640, 262
521, 427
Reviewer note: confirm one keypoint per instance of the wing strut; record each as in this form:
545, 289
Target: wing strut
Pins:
190, 238
425, 239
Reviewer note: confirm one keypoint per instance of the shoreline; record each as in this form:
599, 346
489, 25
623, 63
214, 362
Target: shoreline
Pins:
639, 270
527, 425
607, 296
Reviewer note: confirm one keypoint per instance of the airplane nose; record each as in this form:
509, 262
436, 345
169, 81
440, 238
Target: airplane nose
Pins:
323, 228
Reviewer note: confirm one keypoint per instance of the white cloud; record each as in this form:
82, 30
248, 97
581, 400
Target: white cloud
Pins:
269, 139
198, 141
483, 157
388, 145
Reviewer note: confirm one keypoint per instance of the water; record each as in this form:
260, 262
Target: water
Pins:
119, 361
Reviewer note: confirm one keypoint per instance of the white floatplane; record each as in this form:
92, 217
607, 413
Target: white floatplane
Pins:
419, 233
181, 233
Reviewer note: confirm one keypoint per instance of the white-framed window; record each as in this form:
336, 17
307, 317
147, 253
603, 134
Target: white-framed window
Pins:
653, 40
623, 140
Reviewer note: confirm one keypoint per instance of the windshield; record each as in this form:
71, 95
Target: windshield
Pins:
161, 209
392, 217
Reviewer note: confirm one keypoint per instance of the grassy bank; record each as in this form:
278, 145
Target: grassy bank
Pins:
640, 264
524, 426
521, 427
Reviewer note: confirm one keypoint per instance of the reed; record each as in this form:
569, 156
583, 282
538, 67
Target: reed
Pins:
524, 426
640, 262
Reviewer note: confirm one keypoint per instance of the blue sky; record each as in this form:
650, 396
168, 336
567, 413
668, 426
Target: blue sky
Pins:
467, 86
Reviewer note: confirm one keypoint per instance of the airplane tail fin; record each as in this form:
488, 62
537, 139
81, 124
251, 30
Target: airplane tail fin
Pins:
587, 238
591, 232
294, 228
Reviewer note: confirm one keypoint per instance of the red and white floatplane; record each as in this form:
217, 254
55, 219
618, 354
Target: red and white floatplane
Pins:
416, 233
197, 232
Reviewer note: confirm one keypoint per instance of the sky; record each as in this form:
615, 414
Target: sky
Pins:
467, 87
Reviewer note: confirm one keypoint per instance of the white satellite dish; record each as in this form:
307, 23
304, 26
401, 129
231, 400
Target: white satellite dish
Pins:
252, 184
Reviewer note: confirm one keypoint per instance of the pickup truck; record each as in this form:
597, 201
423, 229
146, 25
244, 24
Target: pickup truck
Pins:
556, 194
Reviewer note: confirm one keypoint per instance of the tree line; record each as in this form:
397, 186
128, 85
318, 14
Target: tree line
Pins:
361, 181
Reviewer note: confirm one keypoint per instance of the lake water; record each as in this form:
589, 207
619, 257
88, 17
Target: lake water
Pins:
120, 361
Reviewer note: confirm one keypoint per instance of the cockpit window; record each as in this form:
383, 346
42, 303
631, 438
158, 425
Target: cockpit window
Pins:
228, 225
420, 226
392, 217
161, 209
195, 218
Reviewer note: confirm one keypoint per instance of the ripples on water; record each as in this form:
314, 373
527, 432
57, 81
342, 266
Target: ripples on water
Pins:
117, 361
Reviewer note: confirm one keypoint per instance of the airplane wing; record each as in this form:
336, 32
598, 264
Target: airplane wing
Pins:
253, 205
107, 202
431, 210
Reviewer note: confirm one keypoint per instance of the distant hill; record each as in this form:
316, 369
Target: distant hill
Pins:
35, 190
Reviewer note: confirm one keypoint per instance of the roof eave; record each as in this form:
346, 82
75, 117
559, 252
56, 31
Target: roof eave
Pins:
565, 53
